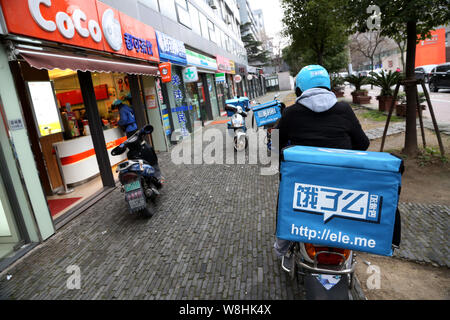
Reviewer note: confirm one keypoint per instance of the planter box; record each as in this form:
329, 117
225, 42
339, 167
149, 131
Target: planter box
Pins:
400, 110
384, 103
363, 99
338, 93
356, 94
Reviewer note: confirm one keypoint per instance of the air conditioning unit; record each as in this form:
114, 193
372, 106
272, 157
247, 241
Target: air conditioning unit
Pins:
212, 4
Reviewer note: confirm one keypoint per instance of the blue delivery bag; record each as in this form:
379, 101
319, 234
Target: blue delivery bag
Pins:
242, 101
339, 198
267, 113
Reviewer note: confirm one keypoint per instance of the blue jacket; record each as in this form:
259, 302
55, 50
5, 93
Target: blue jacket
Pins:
127, 118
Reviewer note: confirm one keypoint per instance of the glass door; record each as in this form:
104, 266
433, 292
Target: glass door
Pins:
213, 95
9, 235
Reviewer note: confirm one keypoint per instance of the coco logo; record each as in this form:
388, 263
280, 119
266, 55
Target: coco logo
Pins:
67, 25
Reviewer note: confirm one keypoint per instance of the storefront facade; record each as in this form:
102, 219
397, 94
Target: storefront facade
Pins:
201, 84
224, 76
57, 107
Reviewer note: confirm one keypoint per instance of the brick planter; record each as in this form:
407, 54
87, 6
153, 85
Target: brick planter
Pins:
400, 110
356, 94
338, 93
384, 102
363, 99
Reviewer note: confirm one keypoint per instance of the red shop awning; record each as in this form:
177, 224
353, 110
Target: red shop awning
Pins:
51, 60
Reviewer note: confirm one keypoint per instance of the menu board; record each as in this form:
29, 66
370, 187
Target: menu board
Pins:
44, 106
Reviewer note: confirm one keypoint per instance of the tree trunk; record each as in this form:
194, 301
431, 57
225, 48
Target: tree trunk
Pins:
411, 93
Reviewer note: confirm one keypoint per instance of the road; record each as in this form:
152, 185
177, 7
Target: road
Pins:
440, 102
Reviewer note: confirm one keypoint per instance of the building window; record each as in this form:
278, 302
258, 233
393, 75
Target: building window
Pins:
183, 13
195, 22
167, 8
151, 4
204, 25
212, 32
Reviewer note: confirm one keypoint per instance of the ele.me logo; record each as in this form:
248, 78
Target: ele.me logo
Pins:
344, 203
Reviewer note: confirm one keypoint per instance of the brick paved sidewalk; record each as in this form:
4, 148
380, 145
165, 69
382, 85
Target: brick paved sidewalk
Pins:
211, 238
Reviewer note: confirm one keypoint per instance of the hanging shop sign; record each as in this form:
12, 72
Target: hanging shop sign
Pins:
82, 23
171, 49
251, 69
225, 65
241, 69
220, 77
237, 78
165, 69
199, 60
190, 74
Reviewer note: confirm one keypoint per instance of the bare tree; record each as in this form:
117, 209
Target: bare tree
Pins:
367, 44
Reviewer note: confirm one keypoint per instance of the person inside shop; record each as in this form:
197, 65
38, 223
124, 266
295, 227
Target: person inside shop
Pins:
317, 119
127, 118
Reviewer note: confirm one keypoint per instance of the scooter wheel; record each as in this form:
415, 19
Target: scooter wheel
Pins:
146, 213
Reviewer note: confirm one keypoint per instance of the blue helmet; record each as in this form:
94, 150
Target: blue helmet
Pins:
128, 97
312, 76
116, 102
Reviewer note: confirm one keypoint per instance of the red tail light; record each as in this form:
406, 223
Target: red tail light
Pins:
128, 177
327, 258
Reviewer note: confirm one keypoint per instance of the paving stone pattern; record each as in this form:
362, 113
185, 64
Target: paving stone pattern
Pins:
211, 238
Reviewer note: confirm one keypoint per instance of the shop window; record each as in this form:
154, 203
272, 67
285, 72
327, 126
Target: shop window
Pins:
74, 158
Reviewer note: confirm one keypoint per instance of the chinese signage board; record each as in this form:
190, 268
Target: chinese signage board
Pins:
190, 74
83, 23
225, 65
45, 109
339, 198
165, 69
199, 60
431, 51
171, 49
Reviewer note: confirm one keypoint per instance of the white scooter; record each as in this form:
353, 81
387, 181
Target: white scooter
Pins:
237, 123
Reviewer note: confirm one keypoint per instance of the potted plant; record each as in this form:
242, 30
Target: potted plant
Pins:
385, 81
400, 108
337, 86
357, 82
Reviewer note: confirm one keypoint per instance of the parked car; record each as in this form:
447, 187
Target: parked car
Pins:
440, 77
424, 72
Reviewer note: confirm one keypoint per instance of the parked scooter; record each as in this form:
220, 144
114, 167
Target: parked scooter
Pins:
326, 273
139, 175
269, 127
237, 123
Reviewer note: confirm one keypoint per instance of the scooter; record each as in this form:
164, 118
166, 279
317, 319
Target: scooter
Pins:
237, 123
139, 175
273, 125
326, 273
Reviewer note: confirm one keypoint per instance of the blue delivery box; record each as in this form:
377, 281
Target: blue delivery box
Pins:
242, 101
339, 198
267, 113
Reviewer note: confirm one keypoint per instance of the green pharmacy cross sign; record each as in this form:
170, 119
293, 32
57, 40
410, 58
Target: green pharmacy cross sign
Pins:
190, 74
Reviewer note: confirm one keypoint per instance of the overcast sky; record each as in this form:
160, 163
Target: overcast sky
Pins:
272, 16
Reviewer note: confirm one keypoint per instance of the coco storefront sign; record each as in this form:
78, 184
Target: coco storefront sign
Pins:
84, 23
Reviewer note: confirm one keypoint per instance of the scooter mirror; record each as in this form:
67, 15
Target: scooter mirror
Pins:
118, 150
148, 129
